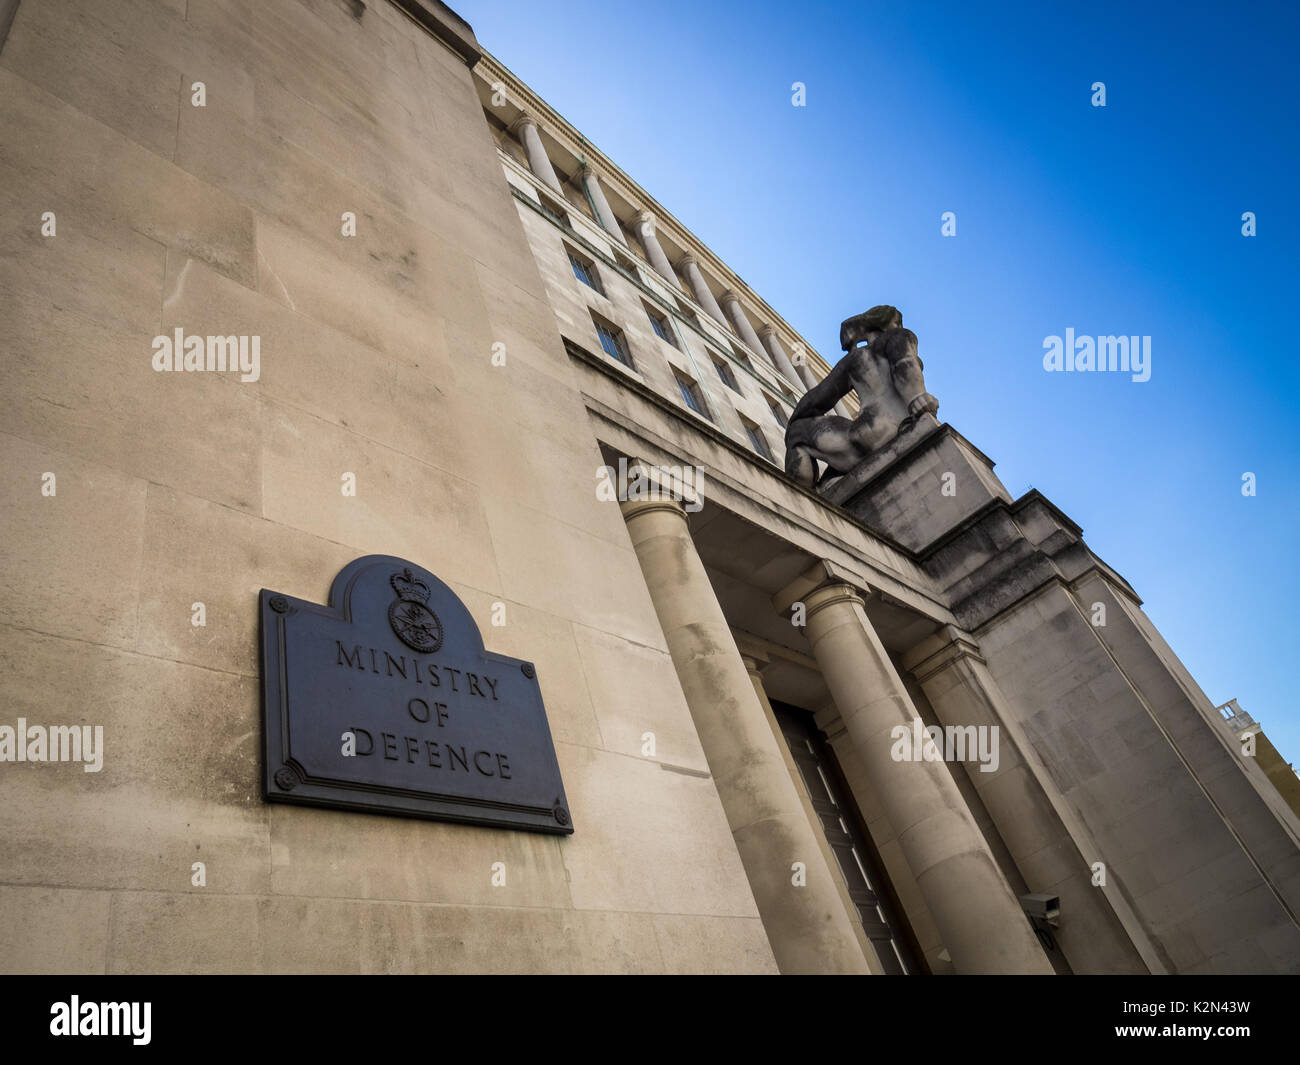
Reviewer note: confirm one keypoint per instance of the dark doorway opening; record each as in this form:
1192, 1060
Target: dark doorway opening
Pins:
850, 841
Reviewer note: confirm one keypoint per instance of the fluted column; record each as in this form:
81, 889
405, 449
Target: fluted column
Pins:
645, 223
525, 129
776, 351
979, 918
806, 925
703, 294
603, 212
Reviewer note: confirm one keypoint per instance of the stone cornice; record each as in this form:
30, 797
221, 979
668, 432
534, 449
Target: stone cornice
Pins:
443, 24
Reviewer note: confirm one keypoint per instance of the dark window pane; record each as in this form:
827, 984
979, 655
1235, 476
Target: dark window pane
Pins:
661, 330
691, 394
583, 272
759, 441
613, 344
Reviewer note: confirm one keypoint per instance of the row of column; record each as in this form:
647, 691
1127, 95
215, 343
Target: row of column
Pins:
799, 375
977, 914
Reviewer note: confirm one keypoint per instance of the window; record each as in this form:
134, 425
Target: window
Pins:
725, 372
759, 441
778, 414
554, 210
661, 327
585, 271
691, 394
742, 358
613, 341
627, 264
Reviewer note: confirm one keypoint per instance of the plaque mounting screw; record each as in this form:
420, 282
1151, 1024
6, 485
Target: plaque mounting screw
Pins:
561, 815
528, 670
279, 604
285, 778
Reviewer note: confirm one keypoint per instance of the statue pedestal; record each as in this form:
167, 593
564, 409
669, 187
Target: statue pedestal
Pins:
920, 485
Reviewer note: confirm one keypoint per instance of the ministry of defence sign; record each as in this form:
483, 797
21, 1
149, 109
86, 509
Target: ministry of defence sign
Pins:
386, 700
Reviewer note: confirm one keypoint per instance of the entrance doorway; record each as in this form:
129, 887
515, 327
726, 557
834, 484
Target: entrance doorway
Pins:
847, 834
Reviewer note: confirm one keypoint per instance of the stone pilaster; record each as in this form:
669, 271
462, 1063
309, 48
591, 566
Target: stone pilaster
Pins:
807, 927
1098, 929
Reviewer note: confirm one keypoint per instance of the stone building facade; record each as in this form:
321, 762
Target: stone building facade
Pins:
507, 328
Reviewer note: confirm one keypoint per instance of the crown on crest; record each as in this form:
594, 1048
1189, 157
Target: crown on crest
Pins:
407, 586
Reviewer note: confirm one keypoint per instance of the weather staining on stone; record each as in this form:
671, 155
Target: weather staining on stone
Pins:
882, 366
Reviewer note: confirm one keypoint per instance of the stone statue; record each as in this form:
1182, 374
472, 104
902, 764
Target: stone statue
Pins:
883, 368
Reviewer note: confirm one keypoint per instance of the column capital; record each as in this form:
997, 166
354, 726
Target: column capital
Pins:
636, 508
765, 331
524, 119
829, 595
729, 296
646, 226
688, 260
939, 651
586, 170
821, 573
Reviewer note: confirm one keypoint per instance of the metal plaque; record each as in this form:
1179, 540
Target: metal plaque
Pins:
386, 700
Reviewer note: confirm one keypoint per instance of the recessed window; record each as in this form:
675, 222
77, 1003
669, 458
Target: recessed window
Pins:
691, 394
612, 341
758, 440
741, 358
585, 271
778, 414
661, 327
727, 374
625, 261
554, 210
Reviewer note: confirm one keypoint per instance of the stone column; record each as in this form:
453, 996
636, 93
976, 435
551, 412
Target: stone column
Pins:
810, 380
703, 294
807, 927
774, 348
603, 213
979, 918
525, 129
731, 304
645, 227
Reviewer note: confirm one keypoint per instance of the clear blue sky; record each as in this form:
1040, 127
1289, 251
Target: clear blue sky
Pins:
1117, 220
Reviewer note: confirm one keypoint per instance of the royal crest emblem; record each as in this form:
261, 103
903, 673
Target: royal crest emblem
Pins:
414, 623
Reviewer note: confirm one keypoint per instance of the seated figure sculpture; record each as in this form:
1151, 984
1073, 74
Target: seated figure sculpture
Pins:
881, 365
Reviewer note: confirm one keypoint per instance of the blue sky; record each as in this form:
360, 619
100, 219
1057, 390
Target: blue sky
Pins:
1117, 220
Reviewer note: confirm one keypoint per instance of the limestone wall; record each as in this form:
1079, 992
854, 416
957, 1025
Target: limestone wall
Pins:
179, 488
